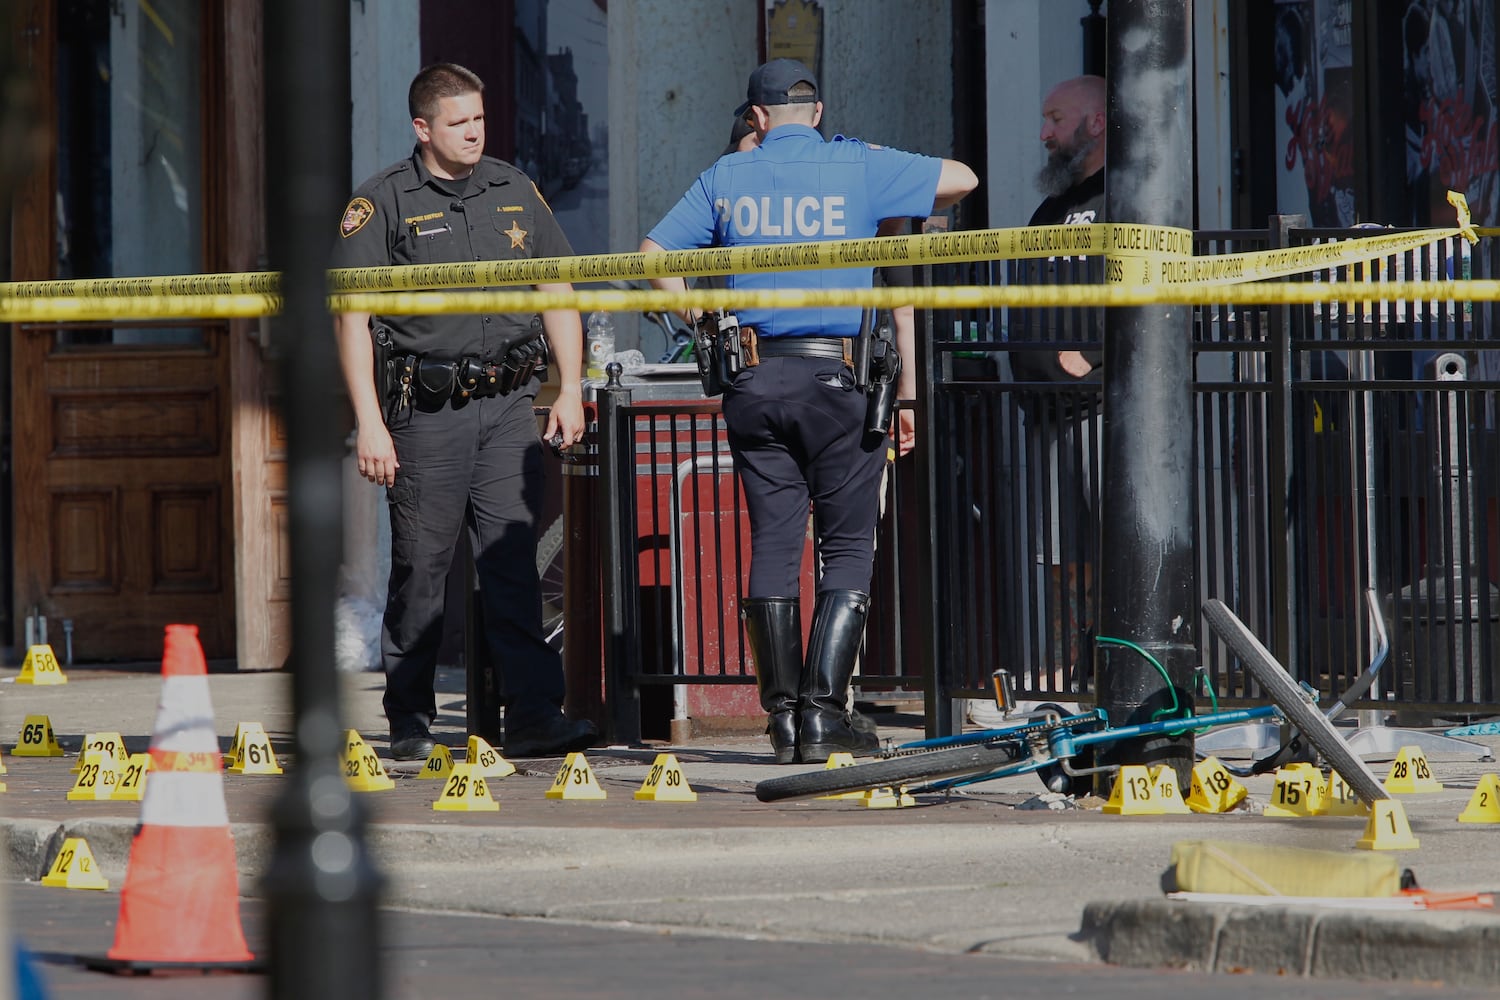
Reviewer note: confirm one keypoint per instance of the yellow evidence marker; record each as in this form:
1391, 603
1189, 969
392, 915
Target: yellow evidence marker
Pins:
465, 791
1410, 774
1484, 804
439, 763
362, 769
40, 667
110, 743
1299, 791
837, 760
487, 760
37, 739
74, 867
1167, 794
665, 782
233, 756
1214, 789
575, 780
1340, 799
133, 777
97, 778
888, 798
1387, 829
1133, 793
253, 753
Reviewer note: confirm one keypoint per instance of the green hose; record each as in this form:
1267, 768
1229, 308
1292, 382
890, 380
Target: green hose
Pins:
1176, 706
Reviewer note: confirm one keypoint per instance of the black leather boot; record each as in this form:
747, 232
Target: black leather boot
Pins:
824, 726
774, 627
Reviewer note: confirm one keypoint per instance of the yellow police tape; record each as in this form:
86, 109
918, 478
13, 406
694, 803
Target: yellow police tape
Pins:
1138, 259
1258, 265
166, 286
963, 297
958, 297
1125, 239
1109, 239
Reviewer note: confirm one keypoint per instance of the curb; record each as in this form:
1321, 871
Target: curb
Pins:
30, 845
1456, 948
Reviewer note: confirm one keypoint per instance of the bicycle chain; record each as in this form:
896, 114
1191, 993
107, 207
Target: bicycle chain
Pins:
1023, 734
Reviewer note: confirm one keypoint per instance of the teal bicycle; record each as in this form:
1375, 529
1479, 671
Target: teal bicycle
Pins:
1058, 743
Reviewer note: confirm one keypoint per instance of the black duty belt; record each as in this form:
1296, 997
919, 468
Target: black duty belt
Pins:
429, 383
804, 347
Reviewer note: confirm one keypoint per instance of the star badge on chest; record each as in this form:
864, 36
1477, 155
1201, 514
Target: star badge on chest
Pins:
517, 235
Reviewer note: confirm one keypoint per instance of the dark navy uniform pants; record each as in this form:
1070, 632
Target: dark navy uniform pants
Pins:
478, 464
796, 430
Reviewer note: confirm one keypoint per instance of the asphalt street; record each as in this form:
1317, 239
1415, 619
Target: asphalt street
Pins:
437, 954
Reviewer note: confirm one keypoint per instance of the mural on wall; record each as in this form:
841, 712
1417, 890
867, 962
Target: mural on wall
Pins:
1314, 110
1448, 51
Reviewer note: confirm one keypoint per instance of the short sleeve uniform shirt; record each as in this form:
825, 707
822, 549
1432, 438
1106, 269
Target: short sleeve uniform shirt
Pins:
405, 215
796, 188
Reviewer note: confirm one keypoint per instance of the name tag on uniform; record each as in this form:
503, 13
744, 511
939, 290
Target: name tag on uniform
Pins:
784, 216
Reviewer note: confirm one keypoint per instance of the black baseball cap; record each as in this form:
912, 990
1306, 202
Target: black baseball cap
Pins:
770, 82
736, 134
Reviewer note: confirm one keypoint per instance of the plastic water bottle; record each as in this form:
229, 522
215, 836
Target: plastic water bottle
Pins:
601, 344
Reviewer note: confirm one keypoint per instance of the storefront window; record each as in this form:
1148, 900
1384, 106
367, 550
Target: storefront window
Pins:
129, 179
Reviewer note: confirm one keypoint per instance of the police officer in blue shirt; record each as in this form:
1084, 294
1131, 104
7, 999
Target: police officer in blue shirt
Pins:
795, 419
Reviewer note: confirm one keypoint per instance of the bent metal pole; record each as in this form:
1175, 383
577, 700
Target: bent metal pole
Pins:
322, 886
1146, 504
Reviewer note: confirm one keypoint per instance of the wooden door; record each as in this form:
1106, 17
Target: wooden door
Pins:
122, 487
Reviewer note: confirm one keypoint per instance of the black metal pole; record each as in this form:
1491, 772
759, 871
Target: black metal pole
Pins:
1279, 419
1146, 563
939, 717
322, 886
622, 694
1094, 44
969, 126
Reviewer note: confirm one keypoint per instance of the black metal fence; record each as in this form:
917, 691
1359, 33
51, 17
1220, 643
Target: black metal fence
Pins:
1340, 447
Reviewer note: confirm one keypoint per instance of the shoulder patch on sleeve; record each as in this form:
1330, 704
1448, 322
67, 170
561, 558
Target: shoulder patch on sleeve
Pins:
539, 196
356, 215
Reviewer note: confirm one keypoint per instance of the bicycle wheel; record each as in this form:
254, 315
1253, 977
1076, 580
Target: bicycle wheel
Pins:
549, 571
1288, 696
929, 765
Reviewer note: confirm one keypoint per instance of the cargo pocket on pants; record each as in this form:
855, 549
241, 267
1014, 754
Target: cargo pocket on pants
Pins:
402, 498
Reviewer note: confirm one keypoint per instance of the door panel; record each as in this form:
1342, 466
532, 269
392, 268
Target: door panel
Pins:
123, 515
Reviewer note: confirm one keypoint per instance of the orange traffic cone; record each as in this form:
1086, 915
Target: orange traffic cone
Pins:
180, 904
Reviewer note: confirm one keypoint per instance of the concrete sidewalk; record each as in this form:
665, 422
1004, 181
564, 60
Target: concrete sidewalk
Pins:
994, 870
